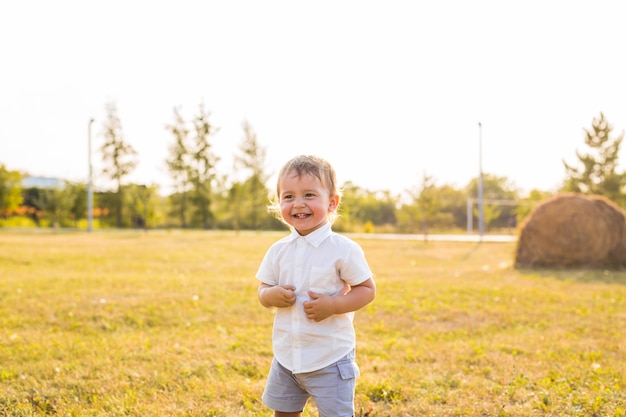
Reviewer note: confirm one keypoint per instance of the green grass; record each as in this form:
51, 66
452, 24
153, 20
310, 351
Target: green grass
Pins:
168, 324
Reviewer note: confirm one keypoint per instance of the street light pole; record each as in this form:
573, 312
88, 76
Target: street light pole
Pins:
90, 183
481, 206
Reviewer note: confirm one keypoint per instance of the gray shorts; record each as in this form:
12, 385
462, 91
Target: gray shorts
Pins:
332, 388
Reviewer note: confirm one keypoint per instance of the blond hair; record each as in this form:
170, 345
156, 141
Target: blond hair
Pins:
308, 165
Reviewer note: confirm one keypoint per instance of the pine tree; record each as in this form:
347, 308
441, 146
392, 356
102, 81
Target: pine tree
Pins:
203, 166
251, 196
178, 166
117, 154
597, 173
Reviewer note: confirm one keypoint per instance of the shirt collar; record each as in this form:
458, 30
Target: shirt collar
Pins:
314, 238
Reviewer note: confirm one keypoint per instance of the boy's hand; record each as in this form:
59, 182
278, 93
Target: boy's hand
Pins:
277, 296
323, 306
320, 307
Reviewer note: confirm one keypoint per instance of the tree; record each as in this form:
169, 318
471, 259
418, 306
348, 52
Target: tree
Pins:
598, 173
33, 204
10, 190
365, 208
118, 156
453, 203
202, 170
142, 203
500, 195
58, 206
178, 166
250, 197
78, 207
431, 206
426, 202
528, 203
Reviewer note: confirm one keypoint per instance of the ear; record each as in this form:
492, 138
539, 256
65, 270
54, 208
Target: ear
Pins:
334, 203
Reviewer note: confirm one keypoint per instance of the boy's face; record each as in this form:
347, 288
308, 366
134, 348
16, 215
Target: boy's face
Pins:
304, 202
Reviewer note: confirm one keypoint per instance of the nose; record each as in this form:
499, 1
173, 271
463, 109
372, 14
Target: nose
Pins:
299, 202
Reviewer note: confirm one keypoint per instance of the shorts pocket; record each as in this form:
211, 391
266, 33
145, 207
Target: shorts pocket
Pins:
348, 369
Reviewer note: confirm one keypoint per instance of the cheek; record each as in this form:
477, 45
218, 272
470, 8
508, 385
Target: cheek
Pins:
322, 208
284, 209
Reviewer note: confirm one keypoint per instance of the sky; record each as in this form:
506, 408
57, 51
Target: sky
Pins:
386, 91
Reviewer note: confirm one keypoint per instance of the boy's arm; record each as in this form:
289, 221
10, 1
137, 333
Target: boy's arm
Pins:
277, 295
323, 306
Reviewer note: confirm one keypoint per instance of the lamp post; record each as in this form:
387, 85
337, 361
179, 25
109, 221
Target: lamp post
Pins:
481, 206
90, 183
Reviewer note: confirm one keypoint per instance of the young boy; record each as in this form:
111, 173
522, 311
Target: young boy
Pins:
316, 279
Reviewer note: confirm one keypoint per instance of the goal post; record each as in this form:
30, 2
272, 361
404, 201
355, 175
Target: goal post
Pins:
470, 207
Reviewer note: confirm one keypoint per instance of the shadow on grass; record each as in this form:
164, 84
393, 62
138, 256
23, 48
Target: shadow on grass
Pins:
475, 247
582, 275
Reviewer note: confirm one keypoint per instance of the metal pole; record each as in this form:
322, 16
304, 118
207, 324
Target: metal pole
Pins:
481, 207
90, 184
470, 216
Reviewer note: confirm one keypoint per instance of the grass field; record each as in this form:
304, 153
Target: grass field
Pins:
168, 324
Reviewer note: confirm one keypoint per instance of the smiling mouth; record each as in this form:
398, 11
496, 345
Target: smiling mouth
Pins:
301, 215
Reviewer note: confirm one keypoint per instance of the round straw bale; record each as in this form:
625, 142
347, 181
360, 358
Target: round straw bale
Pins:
573, 230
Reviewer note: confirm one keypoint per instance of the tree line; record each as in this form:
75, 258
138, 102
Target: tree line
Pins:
204, 199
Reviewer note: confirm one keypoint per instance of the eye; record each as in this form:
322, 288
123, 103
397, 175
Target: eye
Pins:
287, 196
309, 195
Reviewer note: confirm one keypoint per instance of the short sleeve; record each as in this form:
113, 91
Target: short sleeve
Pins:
267, 271
355, 268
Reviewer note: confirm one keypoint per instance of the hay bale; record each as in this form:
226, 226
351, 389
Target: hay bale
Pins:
573, 230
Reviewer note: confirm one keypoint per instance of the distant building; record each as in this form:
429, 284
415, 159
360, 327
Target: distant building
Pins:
42, 182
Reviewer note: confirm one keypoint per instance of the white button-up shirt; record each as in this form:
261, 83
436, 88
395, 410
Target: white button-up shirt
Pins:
322, 262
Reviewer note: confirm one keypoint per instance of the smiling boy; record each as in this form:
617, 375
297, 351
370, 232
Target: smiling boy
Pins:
316, 279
